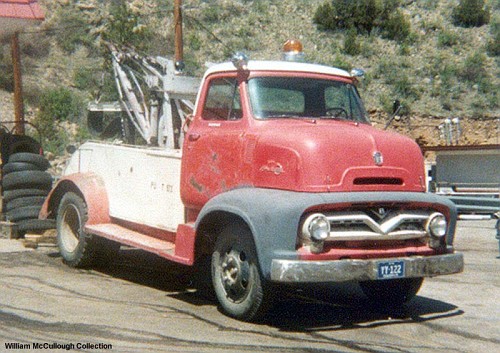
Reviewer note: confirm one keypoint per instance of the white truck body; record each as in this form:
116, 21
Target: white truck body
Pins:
136, 178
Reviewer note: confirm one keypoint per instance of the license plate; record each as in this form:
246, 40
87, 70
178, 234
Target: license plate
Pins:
391, 269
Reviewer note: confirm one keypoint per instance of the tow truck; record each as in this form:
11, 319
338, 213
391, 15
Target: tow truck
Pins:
276, 178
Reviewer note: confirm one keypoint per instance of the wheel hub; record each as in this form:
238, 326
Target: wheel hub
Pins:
235, 272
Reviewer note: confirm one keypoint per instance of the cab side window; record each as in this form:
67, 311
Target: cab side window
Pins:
223, 100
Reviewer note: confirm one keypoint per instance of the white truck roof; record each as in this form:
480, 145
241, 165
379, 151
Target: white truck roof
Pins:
256, 65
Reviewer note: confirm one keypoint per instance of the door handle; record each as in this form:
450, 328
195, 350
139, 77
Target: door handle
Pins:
193, 137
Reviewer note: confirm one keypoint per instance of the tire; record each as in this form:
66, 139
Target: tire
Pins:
35, 179
23, 143
19, 167
22, 213
33, 158
392, 292
238, 285
74, 244
24, 201
18, 193
35, 225
78, 248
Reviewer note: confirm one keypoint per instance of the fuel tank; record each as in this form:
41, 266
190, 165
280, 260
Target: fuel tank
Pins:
325, 155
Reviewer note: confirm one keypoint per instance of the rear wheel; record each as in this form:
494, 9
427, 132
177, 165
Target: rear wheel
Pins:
78, 248
392, 292
75, 245
236, 278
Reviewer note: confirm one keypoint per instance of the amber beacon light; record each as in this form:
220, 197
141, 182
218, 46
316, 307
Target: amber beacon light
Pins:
292, 50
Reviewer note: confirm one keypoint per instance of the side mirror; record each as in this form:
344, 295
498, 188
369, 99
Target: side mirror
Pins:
357, 73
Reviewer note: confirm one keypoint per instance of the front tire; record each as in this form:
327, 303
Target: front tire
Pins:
236, 278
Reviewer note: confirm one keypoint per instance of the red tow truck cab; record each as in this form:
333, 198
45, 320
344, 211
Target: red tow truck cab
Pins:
281, 179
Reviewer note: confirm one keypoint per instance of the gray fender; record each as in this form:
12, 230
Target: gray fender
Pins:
273, 216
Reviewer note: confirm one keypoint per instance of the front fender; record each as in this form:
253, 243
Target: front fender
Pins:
90, 186
273, 216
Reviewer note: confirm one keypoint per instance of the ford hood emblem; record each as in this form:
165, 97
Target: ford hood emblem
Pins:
378, 158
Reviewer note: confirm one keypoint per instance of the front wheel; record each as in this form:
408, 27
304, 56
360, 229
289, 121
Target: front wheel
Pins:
236, 278
391, 292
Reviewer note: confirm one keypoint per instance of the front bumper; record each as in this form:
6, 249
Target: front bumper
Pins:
300, 271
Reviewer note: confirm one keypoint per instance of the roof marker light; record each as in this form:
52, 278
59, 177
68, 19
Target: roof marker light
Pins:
292, 50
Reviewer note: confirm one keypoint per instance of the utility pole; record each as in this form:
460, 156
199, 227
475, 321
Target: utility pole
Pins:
179, 49
18, 86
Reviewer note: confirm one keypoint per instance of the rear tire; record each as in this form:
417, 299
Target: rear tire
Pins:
75, 245
238, 285
78, 248
392, 292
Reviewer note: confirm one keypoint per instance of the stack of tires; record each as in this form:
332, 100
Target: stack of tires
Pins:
25, 184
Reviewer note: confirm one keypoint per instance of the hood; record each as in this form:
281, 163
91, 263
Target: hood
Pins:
332, 156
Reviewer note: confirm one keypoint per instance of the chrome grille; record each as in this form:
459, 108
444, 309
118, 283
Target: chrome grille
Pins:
376, 225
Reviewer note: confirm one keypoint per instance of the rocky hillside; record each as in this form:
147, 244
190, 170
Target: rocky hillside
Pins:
441, 70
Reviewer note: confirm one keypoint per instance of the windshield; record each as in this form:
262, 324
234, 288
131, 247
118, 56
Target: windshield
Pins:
297, 97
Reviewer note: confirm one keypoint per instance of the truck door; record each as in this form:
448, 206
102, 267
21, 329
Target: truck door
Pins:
211, 161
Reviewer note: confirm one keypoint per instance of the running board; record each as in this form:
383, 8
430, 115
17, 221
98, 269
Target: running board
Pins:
134, 239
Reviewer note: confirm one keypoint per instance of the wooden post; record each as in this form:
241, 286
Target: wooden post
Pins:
179, 50
18, 86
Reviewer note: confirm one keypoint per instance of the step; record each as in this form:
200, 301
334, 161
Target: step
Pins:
132, 238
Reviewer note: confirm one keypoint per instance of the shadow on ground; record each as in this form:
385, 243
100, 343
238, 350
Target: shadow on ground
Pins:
314, 308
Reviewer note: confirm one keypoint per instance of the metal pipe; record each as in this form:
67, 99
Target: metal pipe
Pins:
18, 86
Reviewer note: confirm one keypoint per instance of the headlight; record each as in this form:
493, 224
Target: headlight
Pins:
437, 225
316, 227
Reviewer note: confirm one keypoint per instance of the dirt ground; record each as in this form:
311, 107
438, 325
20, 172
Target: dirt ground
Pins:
142, 303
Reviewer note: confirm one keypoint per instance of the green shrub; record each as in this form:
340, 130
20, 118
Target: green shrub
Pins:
56, 106
403, 87
35, 46
346, 14
471, 13
447, 39
365, 16
85, 79
73, 31
351, 45
396, 27
60, 104
474, 68
324, 17
6, 73
493, 46
340, 62
124, 28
